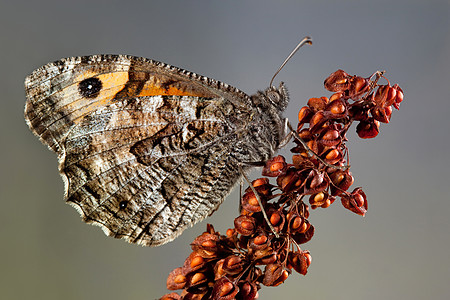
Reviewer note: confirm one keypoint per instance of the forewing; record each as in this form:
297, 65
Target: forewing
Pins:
142, 152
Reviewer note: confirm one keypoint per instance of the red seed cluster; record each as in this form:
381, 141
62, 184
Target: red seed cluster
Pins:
264, 246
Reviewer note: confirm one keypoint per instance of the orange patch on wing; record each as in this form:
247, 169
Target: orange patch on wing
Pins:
113, 80
150, 89
112, 83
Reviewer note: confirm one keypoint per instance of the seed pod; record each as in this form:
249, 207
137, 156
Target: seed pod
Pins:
304, 115
317, 121
176, 279
224, 289
300, 261
194, 262
247, 290
249, 202
318, 104
336, 109
337, 81
330, 137
206, 245
358, 113
315, 182
355, 202
196, 282
368, 129
274, 166
399, 96
305, 237
259, 242
274, 275
358, 86
317, 200
245, 225
277, 218
233, 265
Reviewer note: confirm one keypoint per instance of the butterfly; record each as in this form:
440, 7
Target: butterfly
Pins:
146, 149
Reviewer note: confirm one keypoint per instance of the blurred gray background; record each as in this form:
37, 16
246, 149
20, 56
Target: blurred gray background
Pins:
400, 250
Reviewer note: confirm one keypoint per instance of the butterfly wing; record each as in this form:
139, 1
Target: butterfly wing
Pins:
144, 148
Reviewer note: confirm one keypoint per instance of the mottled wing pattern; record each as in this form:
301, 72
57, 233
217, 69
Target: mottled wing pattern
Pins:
143, 147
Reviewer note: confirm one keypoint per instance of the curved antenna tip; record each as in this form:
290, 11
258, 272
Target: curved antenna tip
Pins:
304, 41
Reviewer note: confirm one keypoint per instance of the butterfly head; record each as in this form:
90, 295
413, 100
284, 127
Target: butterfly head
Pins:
273, 99
278, 97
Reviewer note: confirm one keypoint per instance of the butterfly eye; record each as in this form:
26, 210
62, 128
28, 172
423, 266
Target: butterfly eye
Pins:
274, 96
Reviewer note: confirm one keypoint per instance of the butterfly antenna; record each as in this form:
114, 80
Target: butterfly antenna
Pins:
305, 40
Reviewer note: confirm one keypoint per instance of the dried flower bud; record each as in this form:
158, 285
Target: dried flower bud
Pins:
314, 146
330, 138
333, 156
265, 257
196, 282
274, 275
230, 232
247, 290
224, 289
399, 96
358, 86
336, 109
194, 262
384, 96
300, 261
233, 265
259, 242
305, 134
218, 269
356, 201
328, 201
176, 279
274, 166
245, 225
315, 182
337, 81
317, 200
277, 219
301, 238
299, 161
295, 222
358, 113
305, 210
318, 104
171, 296
317, 121
368, 129
261, 182
335, 96
262, 186
341, 181
304, 227
382, 114
205, 245
250, 203
316, 179
290, 180
304, 115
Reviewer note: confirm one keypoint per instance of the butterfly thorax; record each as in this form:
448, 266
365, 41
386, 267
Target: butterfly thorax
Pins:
268, 123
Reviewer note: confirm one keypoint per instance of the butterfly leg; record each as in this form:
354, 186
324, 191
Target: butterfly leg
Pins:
259, 202
289, 135
241, 185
